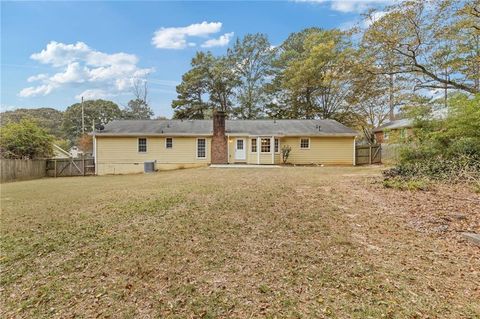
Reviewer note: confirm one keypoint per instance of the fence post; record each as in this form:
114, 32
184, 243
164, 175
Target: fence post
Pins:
370, 154
83, 157
55, 168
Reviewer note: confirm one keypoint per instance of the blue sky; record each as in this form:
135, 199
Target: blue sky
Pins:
54, 52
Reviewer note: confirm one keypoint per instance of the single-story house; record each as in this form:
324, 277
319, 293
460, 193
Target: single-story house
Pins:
391, 131
124, 146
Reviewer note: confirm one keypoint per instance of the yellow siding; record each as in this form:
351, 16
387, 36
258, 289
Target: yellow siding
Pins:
251, 157
323, 150
119, 155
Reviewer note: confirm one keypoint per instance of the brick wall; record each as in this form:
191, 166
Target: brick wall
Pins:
219, 140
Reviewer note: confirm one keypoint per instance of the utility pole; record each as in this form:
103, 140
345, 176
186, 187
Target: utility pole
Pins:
83, 119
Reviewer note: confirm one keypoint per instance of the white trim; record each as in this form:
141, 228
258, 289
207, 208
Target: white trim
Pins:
303, 138
258, 150
354, 151
250, 148
210, 134
168, 148
278, 139
146, 145
244, 139
228, 148
272, 148
265, 138
95, 154
196, 149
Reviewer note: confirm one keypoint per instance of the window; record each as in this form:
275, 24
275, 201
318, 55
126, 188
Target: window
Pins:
142, 145
240, 145
254, 145
385, 135
305, 143
276, 145
169, 142
265, 145
201, 148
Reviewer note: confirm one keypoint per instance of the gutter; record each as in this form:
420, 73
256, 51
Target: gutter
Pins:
97, 134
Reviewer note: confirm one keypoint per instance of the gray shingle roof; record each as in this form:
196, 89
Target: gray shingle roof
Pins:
233, 127
394, 125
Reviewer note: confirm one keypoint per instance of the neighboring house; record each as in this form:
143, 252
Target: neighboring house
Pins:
124, 146
391, 132
75, 152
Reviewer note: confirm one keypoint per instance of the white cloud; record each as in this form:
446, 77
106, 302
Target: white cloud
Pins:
43, 89
94, 94
176, 37
347, 6
37, 77
221, 41
81, 65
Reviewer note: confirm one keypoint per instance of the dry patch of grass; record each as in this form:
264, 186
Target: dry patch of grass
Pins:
292, 242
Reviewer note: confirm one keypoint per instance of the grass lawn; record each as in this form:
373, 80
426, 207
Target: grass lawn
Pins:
245, 243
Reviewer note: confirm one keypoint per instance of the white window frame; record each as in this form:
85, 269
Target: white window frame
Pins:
138, 145
269, 143
278, 149
305, 138
166, 138
196, 149
253, 143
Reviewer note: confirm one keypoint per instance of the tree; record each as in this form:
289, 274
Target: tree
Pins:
210, 76
221, 82
369, 96
47, 118
99, 111
25, 139
85, 143
138, 108
434, 42
252, 56
189, 103
284, 104
313, 74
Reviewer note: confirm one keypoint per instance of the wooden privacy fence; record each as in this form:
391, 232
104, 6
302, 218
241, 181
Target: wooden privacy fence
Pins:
368, 154
19, 169
70, 167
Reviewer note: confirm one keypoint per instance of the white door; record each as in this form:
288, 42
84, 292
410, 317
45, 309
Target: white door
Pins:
240, 152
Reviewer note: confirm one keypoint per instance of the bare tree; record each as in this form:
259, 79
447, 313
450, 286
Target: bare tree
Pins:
140, 89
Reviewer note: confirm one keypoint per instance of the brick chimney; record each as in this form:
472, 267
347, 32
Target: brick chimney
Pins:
219, 140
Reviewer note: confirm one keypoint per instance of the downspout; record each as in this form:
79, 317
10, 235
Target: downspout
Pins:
95, 162
228, 148
354, 156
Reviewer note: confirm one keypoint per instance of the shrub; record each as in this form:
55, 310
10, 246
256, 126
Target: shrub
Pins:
25, 139
443, 149
286, 149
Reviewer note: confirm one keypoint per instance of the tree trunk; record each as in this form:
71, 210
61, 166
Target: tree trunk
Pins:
391, 103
